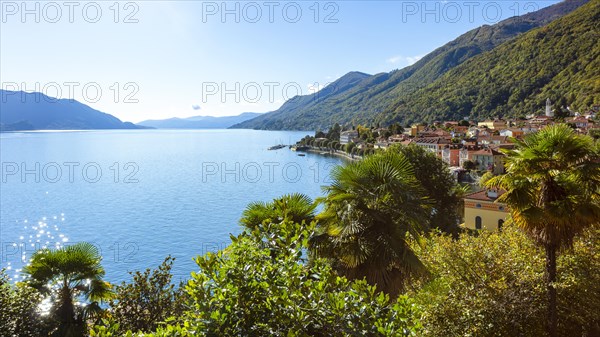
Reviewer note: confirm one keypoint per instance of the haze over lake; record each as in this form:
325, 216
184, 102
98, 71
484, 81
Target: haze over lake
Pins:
140, 195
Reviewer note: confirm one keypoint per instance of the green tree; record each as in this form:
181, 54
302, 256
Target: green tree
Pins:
439, 185
364, 132
460, 191
552, 185
251, 290
469, 165
560, 112
484, 285
66, 275
396, 129
334, 144
151, 298
579, 286
372, 207
334, 132
491, 284
349, 147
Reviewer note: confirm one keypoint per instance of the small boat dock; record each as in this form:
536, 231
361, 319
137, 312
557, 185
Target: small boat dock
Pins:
276, 147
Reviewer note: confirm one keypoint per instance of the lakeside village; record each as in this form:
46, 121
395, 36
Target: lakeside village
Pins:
471, 150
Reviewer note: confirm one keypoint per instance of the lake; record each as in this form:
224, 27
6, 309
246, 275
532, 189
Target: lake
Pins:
140, 195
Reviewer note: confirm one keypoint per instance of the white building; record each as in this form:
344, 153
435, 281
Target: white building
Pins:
348, 136
433, 144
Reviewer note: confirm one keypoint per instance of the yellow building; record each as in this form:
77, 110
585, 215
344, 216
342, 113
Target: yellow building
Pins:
415, 129
494, 125
481, 212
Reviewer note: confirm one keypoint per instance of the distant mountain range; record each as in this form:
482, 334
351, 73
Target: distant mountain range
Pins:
21, 111
509, 68
199, 122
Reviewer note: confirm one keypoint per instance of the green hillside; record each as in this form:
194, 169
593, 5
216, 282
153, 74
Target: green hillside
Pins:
560, 61
414, 93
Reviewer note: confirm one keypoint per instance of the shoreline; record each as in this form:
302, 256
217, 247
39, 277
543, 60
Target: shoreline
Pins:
336, 153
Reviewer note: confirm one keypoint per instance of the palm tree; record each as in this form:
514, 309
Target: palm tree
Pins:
265, 220
372, 209
294, 207
440, 187
460, 191
552, 185
67, 275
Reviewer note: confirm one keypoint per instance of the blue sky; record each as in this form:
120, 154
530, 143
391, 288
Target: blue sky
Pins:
160, 59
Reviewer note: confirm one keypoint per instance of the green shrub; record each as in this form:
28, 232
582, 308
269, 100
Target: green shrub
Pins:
491, 285
262, 285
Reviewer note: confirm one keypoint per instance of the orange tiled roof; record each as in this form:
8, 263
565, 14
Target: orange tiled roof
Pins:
432, 140
487, 152
493, 138
482, 195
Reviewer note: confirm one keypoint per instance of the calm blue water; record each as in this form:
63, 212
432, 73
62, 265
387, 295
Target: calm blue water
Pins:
142, 195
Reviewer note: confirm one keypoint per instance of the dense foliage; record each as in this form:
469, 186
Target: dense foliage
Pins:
150, 299
19, 313
252, 290
491, 284
484, 285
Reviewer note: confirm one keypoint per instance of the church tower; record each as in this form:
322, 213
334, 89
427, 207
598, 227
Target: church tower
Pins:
549, 112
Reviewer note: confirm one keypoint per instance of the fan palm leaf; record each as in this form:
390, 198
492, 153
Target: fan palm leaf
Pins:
372, 209
294, 207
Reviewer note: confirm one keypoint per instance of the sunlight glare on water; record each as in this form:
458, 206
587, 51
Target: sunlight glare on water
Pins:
39, 237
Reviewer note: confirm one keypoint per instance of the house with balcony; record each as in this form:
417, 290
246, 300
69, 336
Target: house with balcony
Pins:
459, 131
381, 145
540, 121
397, 138
475, 132
488, 159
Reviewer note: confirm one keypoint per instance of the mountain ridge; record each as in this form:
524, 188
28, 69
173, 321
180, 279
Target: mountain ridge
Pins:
369, 99
21, 111
559, 61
